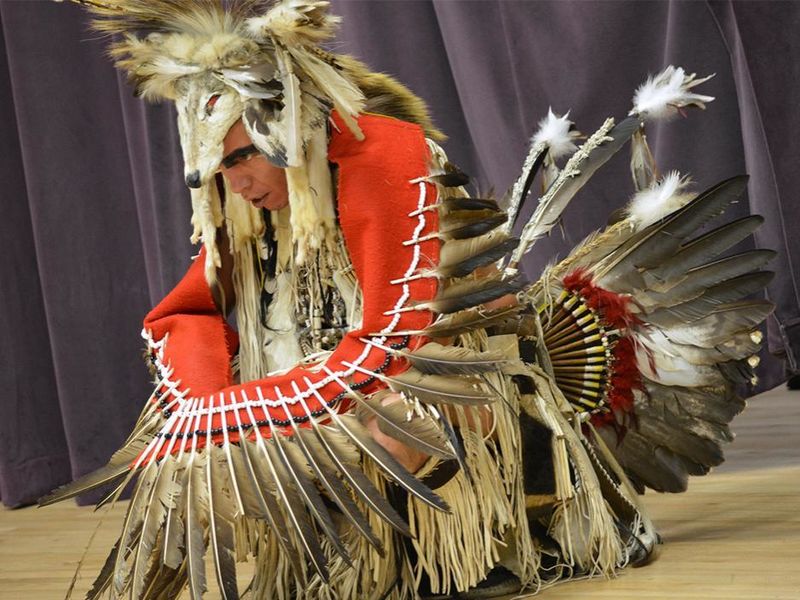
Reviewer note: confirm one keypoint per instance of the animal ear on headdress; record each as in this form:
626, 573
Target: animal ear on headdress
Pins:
295, 23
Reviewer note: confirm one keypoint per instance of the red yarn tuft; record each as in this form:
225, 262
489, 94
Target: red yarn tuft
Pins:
625, 376
614, 308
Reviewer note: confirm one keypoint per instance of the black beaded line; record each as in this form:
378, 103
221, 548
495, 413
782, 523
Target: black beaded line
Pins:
285, 422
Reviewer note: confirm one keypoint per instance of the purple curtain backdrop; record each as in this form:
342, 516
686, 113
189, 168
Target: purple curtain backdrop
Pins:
96, 220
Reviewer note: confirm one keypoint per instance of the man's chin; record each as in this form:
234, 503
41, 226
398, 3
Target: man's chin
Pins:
273, 204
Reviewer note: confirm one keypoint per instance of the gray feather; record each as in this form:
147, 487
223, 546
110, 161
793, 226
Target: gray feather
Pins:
662, 239
174, 528
464, 321
518, 193
294, 508
439, 389
463, 229
196, 503
656, 467
458, 204
103, 579
452, 177
132, 525
466, 264
716, 405
468, 293
699, 450
455, 442
737, 347
421, 434
721, 293
353, 428
257, 81
243, 481
726, 321
325, 473
704, 248
162, 497
320, 439
118, 466
436, 359
294, 464
697, 280
737, 371
258, 118
222, 510
265, 484
568, 183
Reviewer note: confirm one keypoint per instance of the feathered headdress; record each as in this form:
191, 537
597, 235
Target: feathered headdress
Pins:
255, 60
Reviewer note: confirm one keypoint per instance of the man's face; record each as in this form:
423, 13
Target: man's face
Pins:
250, 174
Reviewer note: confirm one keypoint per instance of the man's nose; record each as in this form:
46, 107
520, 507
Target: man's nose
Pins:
239, 183
193, 179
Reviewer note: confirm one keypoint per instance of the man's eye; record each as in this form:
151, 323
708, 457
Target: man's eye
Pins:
211, 102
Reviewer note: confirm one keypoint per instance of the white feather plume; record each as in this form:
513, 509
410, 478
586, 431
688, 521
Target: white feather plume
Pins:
554, 132
295, 22
662, 95
660, 199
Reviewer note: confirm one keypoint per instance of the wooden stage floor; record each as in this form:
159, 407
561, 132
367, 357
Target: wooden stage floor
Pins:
734, 535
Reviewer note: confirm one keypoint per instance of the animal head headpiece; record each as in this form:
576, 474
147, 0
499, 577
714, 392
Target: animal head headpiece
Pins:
250, 59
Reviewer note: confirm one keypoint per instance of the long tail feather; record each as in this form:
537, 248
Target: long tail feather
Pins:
221, 514
325, 473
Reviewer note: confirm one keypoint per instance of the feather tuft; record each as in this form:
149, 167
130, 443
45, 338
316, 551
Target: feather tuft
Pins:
295, 22
662, 95
557, 134
660, 199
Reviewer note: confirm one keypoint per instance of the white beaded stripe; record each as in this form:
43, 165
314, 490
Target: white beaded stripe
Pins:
414, 261
182, 411
282, 400
413, 278
180, 398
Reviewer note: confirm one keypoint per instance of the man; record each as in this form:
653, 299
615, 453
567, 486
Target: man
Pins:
384, 423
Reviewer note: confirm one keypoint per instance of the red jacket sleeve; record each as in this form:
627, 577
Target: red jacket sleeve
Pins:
201, 343
382, 198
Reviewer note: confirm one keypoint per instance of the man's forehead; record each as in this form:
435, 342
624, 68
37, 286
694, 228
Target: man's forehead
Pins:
236, 137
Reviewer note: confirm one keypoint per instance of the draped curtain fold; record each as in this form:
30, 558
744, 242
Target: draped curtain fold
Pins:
96, 216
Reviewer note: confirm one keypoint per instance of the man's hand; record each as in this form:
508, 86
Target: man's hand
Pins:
410, 458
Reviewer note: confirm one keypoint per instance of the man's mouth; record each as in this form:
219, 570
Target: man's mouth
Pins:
259, 202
